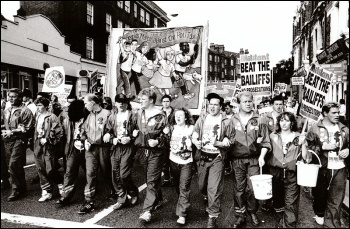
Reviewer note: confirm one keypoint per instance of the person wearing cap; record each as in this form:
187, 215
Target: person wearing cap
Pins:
119, 131
212, 135
329, 139
74, 149
18, 121
47, 135
151, 140
27, 100
252, 136
92, 134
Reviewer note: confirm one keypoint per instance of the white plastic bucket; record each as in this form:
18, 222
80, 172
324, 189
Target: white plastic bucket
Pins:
262, 186
307, 173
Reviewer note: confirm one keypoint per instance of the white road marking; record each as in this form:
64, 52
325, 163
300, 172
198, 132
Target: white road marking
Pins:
45, 222
107, 211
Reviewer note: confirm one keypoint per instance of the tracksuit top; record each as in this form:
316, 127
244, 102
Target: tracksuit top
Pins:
280, 160
94, 126
245, 145
51, 129
227, 130
315, 142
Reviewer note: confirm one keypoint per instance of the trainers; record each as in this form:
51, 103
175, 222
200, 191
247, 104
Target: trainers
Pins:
133, 200
181, 220
88, 207
45, 196
319, 220
118, 206
145, 217
212, 222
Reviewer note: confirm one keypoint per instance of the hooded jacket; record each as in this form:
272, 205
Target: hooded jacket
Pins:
226, 131
245, 145
315, 138
278, 159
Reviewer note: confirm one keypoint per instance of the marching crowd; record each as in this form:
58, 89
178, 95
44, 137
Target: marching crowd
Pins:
234, 140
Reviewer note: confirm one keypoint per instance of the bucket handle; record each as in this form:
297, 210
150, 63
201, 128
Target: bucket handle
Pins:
313, 153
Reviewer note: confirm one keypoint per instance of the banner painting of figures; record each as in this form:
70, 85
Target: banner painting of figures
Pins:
170, 60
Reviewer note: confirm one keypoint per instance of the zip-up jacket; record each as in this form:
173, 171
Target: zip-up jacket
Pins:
269, 121
112, 127
280, 160
51, 129
226, 131
245, 145
316, 136
21, 117
94, 126
152, 129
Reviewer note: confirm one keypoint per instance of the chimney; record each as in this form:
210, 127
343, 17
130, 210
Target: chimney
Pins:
241, 51
246, 51
212, 47
221, 48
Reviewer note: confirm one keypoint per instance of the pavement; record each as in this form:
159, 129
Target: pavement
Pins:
28, 212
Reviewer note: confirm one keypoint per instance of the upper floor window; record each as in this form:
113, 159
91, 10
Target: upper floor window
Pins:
108, 22
147, 18
120, 24
90, 14
135, 10
89, 48
127, 6
225, 71
155, 22
142, 15
210, 57
225, 61
120, 4
231, 62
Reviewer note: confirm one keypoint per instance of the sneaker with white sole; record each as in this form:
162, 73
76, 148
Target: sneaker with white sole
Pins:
60, 189
181, 220
145, 217
87, 208
45, 196
319, 220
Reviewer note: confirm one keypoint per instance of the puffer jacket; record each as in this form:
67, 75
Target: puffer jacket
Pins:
278, 159
226, 131
245, 145
94, 127
316, 136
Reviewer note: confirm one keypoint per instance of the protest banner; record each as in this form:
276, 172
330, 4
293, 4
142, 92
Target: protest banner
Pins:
224, 88
297, 80
236, 91
265, 110
173, 61
54, 79
281, 87
255, 74
62, 96
317, 84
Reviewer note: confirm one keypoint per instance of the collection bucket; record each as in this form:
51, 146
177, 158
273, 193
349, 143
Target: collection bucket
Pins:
262, 186
307, 173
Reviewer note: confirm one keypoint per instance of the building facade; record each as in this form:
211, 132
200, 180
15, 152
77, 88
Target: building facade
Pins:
319, 27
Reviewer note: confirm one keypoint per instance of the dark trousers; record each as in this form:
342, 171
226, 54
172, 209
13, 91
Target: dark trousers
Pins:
182, 175
122, 161
244, 198
16, 156
329, 195
152, 162
166, 167
285, 195
4, 168
75, 159
135, 79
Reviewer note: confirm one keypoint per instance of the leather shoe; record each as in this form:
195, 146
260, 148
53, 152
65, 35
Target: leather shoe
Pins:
15, 195
238, 222
255, 219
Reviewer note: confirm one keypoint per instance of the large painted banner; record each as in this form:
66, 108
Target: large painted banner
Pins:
255, 74
224, 88
316, 86
173, 61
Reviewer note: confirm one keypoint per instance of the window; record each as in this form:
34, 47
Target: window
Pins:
120, 24
155, 22
142, 15
222, 75
147, 18
225, 71
127, 6
222, 65
108, 22
90, 14
89, 48
210, 68
225, 61
120, 4
135, 10
210, 57
231, 72
126, 26
231, 62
